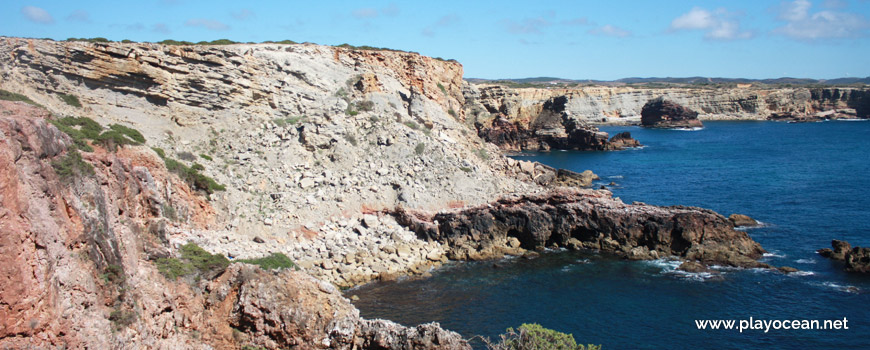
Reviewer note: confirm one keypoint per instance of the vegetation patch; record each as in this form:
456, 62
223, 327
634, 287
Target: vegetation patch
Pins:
194, 262
421, 147
72, 166
282, 122
412, 125
192, 176
91, 40
122, 318
443, 90
206, 157
534, 337
11, 96
465, 169
272, 262
71, 100
482, 153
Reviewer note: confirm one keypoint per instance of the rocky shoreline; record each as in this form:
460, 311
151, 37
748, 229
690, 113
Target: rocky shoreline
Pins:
855, 259
357, 165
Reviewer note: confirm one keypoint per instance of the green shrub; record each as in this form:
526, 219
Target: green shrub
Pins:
350, 138
72, 166
91, 40
217, 42
206, 157
534, 337
482, 153
451, 112
443, 90
160, 152
71, 100
412, 125
285, 42
421, 147
365, 106
193, 262
133, 134
122, 318
192, 176
11, 96
112, 139
271, 262
185, 155
465, 169
174, 42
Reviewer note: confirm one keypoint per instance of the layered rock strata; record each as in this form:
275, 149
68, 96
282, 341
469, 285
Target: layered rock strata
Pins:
587, 219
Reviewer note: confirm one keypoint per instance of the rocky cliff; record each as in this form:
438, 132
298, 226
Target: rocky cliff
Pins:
602, 105
80, 237
251, 150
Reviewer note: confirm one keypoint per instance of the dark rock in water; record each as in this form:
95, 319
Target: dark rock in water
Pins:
793, 117
661, 113
742, 220
856, 259
623, 140
596, 220
787, 269
693, 267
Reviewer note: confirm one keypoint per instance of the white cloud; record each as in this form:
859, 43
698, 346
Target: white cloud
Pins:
444, 21
37, 15
801, 24
718, 25
243, 14
209, 24
160, 28
580, 21
365, 12
80, 16
527, 25
609, 30
391, 10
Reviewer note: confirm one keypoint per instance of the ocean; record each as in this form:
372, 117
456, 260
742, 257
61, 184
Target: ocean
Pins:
807, 183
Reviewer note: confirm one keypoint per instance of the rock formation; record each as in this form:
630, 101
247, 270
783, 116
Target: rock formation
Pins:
742, 220
856, 259
79, 247
587, 219
552, 128
661, 113
313, 145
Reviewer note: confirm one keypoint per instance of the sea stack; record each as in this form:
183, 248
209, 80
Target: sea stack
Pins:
661, 113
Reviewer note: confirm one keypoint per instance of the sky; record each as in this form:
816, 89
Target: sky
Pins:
579, 39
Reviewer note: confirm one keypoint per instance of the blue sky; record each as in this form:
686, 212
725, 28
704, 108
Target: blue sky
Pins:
506, 39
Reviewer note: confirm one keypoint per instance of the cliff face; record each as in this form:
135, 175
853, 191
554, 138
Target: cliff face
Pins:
621, 105
79, 273
306, 138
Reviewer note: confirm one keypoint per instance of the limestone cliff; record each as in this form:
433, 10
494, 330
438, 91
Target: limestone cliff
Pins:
622, 105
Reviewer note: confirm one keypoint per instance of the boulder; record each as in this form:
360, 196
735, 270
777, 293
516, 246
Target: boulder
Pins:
856, 259
623, 140
742, 220
661, 113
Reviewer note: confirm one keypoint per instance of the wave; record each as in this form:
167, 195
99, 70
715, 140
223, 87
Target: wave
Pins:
773, 255
852, 120
839, 287
805, 261
697, 128
802, 273
615, 177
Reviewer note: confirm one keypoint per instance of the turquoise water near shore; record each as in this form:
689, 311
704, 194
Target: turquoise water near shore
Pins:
809, 183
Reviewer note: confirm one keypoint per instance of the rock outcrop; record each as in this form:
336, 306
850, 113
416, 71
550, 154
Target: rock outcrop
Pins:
551, 128
742, 220
622, 104
856, 259
80, 236
661, 113
587, 219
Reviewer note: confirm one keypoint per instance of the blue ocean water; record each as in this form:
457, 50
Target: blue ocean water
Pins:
809, 183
